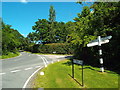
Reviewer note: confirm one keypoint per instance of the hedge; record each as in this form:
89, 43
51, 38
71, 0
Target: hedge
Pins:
57, 48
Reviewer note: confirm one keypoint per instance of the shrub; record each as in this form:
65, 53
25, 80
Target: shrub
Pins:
58, 48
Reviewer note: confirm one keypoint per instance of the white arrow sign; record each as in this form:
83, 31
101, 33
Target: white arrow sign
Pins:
99, 41
96, 43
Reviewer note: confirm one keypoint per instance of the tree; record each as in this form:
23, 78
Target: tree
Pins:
104, 21
12, 40
52, 14
33, 37
41, 28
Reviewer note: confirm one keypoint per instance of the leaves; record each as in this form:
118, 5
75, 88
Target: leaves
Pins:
11, 39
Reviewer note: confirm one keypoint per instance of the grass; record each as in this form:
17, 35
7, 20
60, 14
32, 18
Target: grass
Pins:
10, 55
51, 54
57, 75
47, 53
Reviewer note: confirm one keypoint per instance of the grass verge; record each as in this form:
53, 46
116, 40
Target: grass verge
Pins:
10, 55
51, 54
47, 53
58, 75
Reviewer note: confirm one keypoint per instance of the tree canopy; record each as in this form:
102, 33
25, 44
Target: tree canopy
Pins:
12, 40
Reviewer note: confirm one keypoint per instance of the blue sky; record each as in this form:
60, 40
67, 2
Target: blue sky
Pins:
22, 16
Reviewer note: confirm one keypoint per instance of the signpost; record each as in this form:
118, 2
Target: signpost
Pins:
79, 62
98, 42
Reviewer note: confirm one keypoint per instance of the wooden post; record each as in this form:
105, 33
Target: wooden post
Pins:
100, 54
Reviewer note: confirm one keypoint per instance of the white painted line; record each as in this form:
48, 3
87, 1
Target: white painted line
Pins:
28, 68
2, 73
15, 71
45, 59
30, 78
44, 62
37, 66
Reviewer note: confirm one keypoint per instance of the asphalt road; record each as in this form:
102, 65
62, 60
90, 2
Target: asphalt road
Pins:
16, 71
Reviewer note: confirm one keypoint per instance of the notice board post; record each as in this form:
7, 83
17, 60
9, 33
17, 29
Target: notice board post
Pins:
79, 62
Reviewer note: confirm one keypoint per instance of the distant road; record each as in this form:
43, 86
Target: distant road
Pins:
16, 71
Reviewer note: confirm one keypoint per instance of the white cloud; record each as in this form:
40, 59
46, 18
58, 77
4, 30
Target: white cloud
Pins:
24, 1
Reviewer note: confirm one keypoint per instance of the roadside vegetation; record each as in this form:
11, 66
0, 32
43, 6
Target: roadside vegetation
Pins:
50, 36
58, 75
10, 55
11, 41
96, 19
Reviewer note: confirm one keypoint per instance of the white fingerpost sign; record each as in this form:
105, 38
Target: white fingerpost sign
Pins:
99, 41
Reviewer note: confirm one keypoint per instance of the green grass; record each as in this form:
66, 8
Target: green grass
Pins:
10, 55
51, 54
47, 53
57, 75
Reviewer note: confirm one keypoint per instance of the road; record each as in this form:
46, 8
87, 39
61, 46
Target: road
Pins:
16, 71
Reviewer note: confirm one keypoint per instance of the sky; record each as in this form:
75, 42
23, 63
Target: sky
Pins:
22, 15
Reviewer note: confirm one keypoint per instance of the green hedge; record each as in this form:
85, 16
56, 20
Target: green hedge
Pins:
57, 48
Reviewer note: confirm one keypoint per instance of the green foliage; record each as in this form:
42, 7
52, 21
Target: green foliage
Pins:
52, 14
12, 40
54, 48
0, 36
32, 37
10, 55
48, 32
102, 21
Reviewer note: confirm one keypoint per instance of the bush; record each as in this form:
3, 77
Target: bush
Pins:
58, 48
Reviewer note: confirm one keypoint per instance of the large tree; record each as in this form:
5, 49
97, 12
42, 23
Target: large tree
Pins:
52, 14
12, 40
103, 21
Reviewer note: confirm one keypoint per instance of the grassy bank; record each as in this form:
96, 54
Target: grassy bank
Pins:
46, 53
58, 75
10, 55
51, 54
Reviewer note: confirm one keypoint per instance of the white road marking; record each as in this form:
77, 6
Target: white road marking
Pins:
2, 73
45, 59
44, 62
37, 66
30, 78
15, 71
28, 68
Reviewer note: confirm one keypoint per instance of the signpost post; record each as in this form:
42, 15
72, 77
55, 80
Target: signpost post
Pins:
79, 62
99, 42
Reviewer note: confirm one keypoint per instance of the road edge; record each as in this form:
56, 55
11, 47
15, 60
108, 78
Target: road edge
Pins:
25, 84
